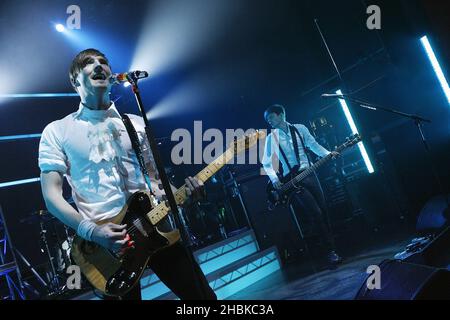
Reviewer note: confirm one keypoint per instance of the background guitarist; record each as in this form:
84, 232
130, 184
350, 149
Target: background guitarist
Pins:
288, 142
92, 149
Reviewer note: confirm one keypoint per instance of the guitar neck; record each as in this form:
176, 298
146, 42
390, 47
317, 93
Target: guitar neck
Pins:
161, 210
311, 169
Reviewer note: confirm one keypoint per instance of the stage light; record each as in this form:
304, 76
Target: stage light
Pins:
437, 68
174, 35
350, 121
37, 95
60, 28
18, 182
20, 137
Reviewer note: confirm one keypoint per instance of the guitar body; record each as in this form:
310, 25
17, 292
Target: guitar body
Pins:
280, 197
116, 274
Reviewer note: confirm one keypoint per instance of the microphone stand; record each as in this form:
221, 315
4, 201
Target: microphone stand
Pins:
418, 121
133, 80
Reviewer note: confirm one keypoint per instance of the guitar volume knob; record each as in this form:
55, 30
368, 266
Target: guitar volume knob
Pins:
122, 285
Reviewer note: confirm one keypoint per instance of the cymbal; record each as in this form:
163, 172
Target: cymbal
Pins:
38, 216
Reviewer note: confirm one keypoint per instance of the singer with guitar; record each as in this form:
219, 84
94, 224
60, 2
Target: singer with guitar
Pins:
93, 150
288, 142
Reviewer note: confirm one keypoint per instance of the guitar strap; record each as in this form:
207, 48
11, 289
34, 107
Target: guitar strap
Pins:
295, 143
136, 147
283, 155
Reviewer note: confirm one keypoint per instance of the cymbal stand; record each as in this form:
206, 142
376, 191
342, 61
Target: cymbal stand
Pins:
53, 285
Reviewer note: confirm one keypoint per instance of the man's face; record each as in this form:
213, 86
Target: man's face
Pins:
94, 77
275, 120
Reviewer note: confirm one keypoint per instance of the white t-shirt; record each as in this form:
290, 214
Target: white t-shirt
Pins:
94, 152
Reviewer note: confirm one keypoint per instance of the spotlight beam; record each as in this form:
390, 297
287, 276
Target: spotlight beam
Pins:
38, 95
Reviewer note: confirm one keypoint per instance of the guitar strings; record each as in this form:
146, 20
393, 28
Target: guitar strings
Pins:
292, 183
204, 172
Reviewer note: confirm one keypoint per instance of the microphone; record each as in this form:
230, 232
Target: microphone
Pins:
332, 95
123, 77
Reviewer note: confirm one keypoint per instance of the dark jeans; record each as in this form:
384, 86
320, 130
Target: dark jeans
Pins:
174, 268
311, 201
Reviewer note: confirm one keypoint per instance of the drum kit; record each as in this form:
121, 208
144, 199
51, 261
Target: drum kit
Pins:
55, 242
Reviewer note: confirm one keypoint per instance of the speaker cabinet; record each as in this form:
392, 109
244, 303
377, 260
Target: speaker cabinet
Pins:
408, 281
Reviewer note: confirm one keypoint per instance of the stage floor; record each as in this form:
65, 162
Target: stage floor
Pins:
301, 280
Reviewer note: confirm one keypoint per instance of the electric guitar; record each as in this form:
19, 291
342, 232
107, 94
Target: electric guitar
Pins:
116, 273
291, 183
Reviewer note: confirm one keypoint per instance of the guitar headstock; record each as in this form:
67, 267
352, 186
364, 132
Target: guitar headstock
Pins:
349, 141
352, 140
247, 141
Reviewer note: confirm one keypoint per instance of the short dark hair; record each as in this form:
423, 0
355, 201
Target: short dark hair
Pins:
78, 63
275, 108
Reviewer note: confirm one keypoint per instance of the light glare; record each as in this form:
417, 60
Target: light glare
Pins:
59, 27
350, 121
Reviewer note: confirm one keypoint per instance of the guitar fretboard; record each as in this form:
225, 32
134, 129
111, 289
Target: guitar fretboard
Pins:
161, 210
310, 170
